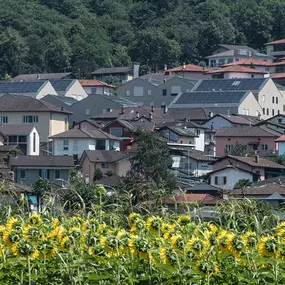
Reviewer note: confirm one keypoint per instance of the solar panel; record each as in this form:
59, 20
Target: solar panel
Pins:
21, 87
230, 84
61, 84
210, 97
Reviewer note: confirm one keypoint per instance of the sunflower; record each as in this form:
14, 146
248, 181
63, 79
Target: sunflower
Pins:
97, 251
139, 246
11, 236
249, 239
138, 225
47, 248
169, 234
206, 227
32, 233
14, 223
133, 217
211, 237
89, 239
237, 246
76, 222
225, 239
177, 243
2, 230
55, 223
75, 232
34, 220
166, 227
154, 224
168, 255
198, 245
57, 233
267, 246
92, 224
184, 220
25, 248
207, 267
65, 243
123, 237
111, 244
280, 227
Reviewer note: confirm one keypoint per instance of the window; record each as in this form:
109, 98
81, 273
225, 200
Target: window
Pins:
138, 91
57, 174
257, 172
75, 146
276, 100
267, 111
30, 119
229, 147
198, 132
247, 111
75, 158
3, 119
23, 174
187, 165
278, 112
243, 111
65, 124
87, 112
236, 83
149, 92
44, 173
280, 121
128, 92
117, 132
104, 165
164, 92
263, 98
273, 101
175, 90
263, 111
65, 144
222, 61
220, 180
283, 108
272, 112
264, 147
151, 104
34, 142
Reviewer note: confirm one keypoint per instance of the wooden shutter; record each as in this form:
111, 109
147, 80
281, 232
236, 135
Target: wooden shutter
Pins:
225, 180
216, 180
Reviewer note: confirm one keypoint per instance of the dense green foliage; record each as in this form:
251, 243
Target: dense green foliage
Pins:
82, 35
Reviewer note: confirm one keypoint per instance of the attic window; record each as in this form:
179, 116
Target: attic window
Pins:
236, 83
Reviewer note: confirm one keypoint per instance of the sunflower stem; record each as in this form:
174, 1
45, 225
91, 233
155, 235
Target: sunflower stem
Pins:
29, 270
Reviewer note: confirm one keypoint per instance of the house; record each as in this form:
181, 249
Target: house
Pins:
196, 115
97, 87
26, 137
95, 105
69, 88
276, 123
237, 71
191, 162
256, 64
116, 162
43, 76
154, 89
276, 49
88, 125
277, 68
203, 188
264, 168
118, 74
227, 177
239, 96
273, 193
29, 168
223, 54
35, 89
75, 141
191, 71
280, 145
127, 130
60, 101
48, 119
260, 138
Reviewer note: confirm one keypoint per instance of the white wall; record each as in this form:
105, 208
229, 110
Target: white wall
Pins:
30, 142
250, 106
76, 91
200, 141
100, 90
233, 176
230, 75
47, 89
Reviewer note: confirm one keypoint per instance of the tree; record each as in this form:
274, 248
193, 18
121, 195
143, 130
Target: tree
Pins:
152, 160
98, 174
242, 183
241, 150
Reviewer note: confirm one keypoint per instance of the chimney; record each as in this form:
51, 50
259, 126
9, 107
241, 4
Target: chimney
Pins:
79, 126
256, 159
137, 114
152, 108
38, 76
165, 67
165, 109
211, 114
136, 69
122, 111
259, 116
62, 109
184, 65
150, 117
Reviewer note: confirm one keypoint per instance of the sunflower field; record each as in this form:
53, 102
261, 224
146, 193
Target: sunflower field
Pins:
150, 250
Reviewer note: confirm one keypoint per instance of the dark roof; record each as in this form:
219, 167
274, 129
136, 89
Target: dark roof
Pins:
61, 84
22, 87
194, 114
110, 70
133, 126
232, 167
242, 47
237, 84
7, 148
202, 187
262, 162
198, 155
180, 131
44, 76
62, 99
27, 104
235, 119
191, 198
84, 133
97, 125
105, 155
267, 189
189, 67
247, 131
20, 130
181, 124
230, 97
40, 160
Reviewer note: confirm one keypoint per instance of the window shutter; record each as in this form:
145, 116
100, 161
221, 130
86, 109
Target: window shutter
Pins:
216, 180
225, 180
40, 172
48, 174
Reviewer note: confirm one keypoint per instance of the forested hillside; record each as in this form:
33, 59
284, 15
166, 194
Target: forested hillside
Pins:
82, 35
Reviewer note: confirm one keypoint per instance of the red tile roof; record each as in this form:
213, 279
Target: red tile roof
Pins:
94, 83
191, 198
278, 63
190, 67
237, 68
249, 62
281, 139
276, 42
278, 75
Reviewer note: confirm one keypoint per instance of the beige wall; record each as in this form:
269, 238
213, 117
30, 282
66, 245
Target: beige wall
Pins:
250, 106
59, 123
47, 89
76, 91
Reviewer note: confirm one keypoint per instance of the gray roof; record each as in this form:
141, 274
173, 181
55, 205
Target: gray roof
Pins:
181, 131
198, 155
83, 133
237, 84
133, 126
20, 130
195, 114
61, 84
110, 70
267, 189
44, 76
105, 155
237, 119
221, 97
63, 99
22, 87
202, 187
250, 131
40, 160
27, 104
